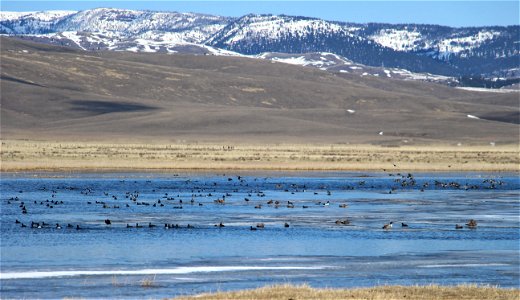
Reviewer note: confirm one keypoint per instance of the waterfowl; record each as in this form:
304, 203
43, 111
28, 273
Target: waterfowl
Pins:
129, 226
457, 226
252, 228
191, 226
69, 225
17, 222
260, 225
258, 206
108, 222
343, 205
58, 226
286, 225
472, 224
388, 226
343, 222
23, 225
77, 227
220, 225
404, 225
138, 226
150, 225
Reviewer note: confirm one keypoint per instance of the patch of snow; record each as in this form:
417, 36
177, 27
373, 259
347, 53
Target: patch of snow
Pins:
48, 15
475, 89
459, 44
351, 111
73, 36
399, 40
473, 117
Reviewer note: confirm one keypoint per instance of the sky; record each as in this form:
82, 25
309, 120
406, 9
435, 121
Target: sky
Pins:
442, 12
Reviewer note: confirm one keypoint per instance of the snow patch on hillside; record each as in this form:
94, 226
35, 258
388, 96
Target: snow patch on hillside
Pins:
400, 40
48, 15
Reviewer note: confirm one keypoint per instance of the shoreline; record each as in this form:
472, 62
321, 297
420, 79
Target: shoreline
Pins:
40, 156
382, 292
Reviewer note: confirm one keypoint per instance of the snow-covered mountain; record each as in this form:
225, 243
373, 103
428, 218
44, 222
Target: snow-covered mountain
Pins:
492, 52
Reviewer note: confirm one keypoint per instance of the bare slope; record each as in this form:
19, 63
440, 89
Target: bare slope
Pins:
49, 92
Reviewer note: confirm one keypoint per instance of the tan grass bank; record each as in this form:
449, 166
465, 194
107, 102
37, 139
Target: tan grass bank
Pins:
21, 155
285, 292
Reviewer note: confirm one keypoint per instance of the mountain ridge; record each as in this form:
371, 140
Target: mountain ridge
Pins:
490, 52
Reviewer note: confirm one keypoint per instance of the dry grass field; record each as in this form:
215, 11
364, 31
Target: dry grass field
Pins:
19, 155
58, 94
65, 109
285, 292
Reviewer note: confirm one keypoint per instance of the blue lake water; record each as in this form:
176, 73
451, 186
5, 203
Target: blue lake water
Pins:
114, 261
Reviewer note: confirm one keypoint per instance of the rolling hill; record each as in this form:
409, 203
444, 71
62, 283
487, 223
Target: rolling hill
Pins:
50, 92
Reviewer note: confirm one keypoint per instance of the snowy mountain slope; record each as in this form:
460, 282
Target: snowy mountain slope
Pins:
340, 65
31, 22
451, 52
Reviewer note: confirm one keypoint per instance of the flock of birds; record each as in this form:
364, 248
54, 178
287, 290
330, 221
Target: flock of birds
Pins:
403, 181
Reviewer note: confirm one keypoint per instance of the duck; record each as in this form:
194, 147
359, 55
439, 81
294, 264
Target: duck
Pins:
150, 225
138, 226
129, 226
220, 225
472, 224
457, 226
108, 222
404, 225
343, 222
260, 225
388, 226
58, 226
286, 225
343, 205
252, 228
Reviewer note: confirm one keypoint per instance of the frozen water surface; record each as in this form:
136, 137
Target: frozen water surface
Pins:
114, 261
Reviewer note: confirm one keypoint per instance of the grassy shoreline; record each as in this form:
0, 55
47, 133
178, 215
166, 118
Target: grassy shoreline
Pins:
304, 292
17, 155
